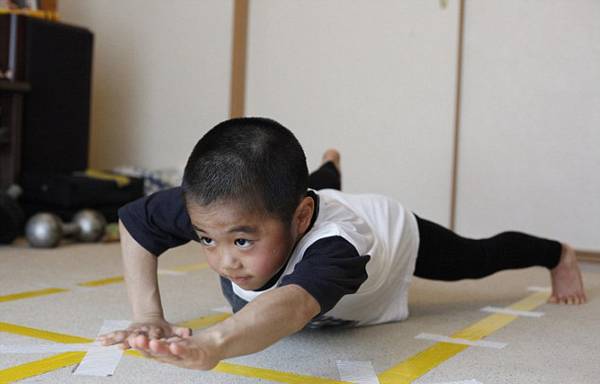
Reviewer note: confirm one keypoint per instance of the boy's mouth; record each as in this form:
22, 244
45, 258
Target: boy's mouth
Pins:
239, 279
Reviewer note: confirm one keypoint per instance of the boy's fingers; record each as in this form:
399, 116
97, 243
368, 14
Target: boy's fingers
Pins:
137, 332
160, 347
156, 333
139, 342
181, 349
182, 332
125, 345
112, 338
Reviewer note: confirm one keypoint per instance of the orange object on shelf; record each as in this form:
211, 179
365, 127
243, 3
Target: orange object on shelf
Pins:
47, 15
45, 9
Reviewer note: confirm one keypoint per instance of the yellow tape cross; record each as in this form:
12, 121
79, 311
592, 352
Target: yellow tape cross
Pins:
424, 361
402, 373
62, 360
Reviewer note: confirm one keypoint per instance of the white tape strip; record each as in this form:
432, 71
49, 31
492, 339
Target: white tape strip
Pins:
45, 348
540, 289
445, 339
102, 361
508, 311
358, 372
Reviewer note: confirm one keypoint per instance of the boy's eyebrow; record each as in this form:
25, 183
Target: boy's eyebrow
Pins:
243, 228
239, 228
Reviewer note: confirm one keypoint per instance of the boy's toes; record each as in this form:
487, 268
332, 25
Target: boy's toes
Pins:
332, 155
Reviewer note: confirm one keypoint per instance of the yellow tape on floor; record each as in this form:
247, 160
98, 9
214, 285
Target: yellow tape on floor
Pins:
120, 279
97, 283
92, 283
268, 374
203, 322
403, 373
41, 334
39, 367
30, 294
421, 363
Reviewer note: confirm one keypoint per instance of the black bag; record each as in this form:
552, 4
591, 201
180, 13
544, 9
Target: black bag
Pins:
64, 194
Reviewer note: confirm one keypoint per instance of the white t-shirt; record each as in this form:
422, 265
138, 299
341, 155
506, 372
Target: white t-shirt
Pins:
372, 225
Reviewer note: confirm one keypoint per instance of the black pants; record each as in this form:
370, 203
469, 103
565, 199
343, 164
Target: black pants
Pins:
444, 255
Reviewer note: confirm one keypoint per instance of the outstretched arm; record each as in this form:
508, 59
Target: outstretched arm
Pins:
140, 267
140, 270
262, 322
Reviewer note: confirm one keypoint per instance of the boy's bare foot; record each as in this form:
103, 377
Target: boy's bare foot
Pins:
567, 284
334, 156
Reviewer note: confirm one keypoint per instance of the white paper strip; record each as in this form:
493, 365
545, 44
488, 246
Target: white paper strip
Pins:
102, 361
47, 348
508, 311
358, 372
540, 289
445, 339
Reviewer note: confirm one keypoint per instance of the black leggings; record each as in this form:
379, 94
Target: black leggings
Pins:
444, 255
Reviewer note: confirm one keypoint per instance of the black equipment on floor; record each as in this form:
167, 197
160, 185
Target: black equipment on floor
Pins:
12, 217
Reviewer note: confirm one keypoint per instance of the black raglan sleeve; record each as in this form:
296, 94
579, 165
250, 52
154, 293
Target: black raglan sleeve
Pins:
330, 268
158, 221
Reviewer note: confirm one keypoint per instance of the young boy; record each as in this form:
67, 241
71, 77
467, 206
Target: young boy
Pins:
291, 257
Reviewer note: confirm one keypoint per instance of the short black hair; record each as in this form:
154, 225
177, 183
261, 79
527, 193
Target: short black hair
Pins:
253, 161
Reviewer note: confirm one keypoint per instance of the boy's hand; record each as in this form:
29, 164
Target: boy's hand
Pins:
189, 352
153, 329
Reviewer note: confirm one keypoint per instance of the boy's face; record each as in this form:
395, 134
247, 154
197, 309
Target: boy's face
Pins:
244, 247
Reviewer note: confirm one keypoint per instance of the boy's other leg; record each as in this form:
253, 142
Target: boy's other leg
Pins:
328, 175
444, 255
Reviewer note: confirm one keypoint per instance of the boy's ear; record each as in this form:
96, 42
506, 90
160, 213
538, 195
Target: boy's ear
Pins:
304, 214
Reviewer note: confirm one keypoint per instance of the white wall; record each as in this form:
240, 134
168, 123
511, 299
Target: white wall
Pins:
375, 79
161, 76
530, 139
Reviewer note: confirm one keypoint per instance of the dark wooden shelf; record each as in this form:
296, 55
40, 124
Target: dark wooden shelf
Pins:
14, 86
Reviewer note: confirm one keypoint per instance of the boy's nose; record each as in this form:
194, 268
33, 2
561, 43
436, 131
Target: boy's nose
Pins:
229, 261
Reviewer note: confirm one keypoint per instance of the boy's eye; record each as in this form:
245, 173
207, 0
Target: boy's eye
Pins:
206, 241
243, 243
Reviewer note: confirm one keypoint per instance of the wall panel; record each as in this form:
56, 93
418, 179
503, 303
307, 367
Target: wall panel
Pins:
374, 79
161, 76
530, 133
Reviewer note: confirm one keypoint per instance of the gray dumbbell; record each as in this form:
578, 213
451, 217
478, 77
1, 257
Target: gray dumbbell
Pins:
45, 230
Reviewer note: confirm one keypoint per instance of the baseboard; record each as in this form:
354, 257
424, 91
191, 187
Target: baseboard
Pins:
588, 255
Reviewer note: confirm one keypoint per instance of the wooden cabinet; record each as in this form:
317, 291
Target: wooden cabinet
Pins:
11, 106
